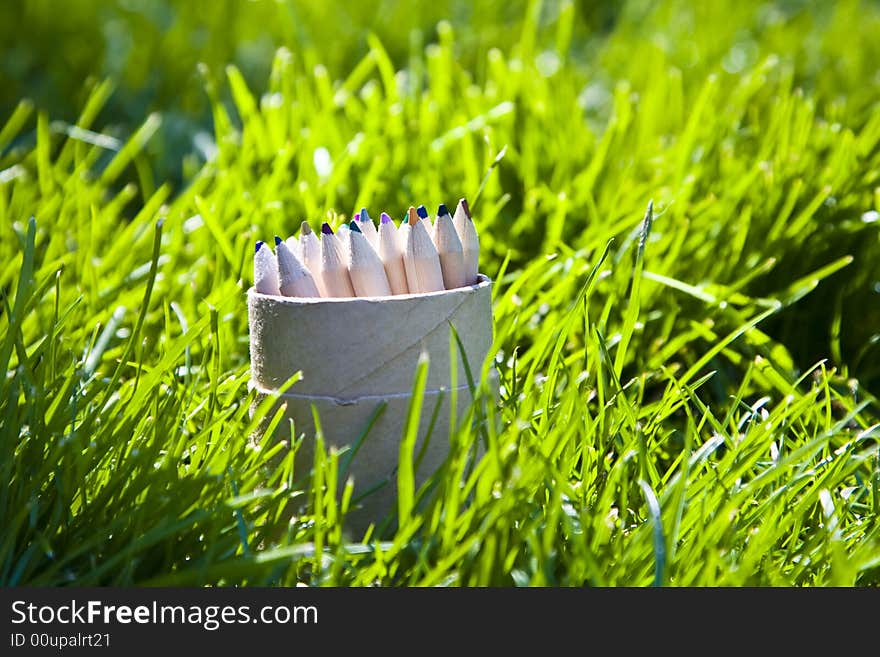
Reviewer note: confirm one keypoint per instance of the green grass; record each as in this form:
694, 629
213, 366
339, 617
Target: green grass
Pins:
687, 397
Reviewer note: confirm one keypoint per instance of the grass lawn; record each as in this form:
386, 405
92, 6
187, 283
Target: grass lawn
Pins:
687, 396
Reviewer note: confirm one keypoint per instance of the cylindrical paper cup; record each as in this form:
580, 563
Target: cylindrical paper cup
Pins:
356, 353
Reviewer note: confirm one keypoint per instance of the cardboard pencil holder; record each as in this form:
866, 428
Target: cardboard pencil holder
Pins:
355, 354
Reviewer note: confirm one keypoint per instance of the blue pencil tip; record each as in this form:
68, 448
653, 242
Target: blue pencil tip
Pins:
385, 218
278, 240
325, 229
422, 211
354, 227
258, 245
365, 216
442, 210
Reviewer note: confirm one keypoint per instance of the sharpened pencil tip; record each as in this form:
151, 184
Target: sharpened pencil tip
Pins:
354, 227
305, 228
278, 240
411, 215
365, 216
384, 218
442, 210
258, 246
422, 212
325, 229
463, 204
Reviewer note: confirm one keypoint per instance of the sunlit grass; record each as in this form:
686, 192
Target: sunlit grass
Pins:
685, 395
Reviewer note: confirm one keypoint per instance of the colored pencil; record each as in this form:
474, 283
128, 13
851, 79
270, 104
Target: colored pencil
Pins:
342, 234
470, 242
392, 255
311, 255
450, 250
294, 280
365, 267
403, 232
422, 264
334, 270
265, 270
368, 228
422, 211
295, 246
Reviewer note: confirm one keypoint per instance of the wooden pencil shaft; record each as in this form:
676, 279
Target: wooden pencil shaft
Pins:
342, 234
450, 251
365, 268
392, 258
334, 272
470, 242
429, 227
421, 261
311, 250
265, 270
294, 280
368, 228
295, 245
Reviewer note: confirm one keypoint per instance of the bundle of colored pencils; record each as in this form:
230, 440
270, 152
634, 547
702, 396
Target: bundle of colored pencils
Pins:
360, 260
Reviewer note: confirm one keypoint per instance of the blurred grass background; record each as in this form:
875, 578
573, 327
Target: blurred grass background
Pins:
726, 376
150, 49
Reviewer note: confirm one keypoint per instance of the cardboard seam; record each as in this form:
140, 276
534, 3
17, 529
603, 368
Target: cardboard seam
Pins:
351, 401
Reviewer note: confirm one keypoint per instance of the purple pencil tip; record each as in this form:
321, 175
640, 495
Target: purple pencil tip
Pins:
354, 227
257, 247
442, 210
325, 229
357, 216
278, 240
422, 212
385, 218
